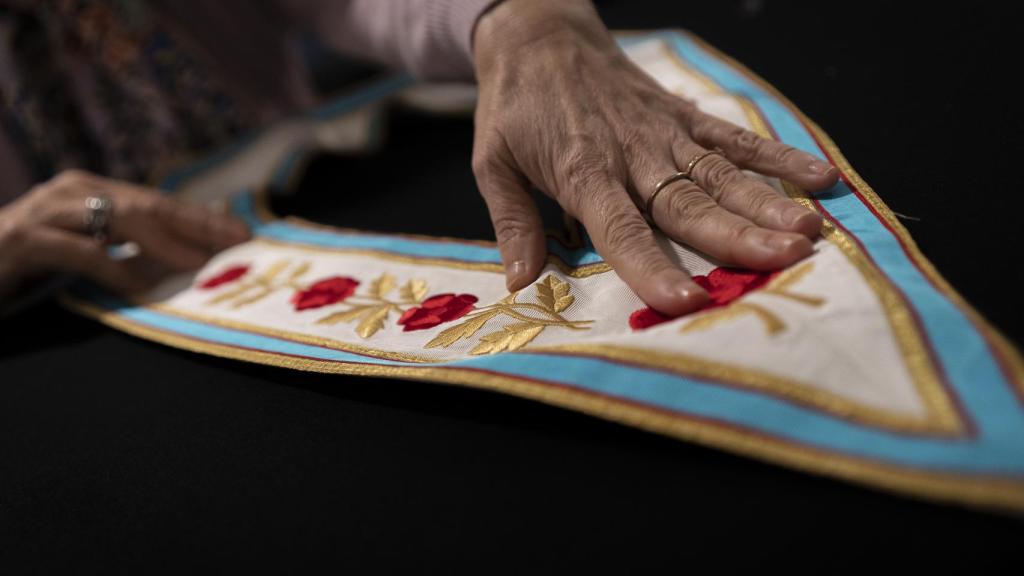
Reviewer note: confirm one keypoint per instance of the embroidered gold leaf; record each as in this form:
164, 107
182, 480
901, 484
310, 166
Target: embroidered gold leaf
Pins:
512, 337
230, 294
381, 286
467, 329
415, 290
772, 323
349, 315
510, 299
781, 285
299, 271
272, 272
373, 321
263, 293
553, 294
801, 298
790, 277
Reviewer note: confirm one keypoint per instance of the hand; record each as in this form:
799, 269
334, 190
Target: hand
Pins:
45, 231
561, 108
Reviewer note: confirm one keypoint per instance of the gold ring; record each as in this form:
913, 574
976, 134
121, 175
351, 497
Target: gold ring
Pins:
684, 175
648, 206
698, 158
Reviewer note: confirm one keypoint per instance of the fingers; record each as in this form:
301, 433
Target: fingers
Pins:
627, 243
685, 211
769, 157
136, 223
55, 249
174, 234
747, 197
688, 214
196, 224
517, 224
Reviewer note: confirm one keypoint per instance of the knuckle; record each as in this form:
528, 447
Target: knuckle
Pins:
70, 179
13, 235
757, 203
509, 226
690, 208
741, 232
702, 127
747, 144
485, 162
132, 210
718, 173
635, 144
622, 229
161, 209
648, 265
584, 164
583, 175
783, 154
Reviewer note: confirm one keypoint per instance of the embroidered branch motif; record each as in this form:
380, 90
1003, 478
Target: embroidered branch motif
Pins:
553, 297
370, 310
249, 288
779, 286
416, 312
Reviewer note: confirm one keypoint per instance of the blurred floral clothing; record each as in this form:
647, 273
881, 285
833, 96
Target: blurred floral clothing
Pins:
130, 89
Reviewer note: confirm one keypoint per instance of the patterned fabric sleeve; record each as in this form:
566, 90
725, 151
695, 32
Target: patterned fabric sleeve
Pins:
429, 38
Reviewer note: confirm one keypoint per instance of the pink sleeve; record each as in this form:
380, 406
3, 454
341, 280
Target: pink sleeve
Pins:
428, 38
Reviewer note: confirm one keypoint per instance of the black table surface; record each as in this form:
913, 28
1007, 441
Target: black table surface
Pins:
116, 453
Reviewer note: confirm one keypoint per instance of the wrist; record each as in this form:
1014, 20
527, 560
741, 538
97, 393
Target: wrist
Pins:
513, 26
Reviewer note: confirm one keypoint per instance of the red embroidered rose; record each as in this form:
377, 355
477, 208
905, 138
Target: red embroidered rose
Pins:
435, 310
228, 275
645, 318
723, 286
323, 292
727, 284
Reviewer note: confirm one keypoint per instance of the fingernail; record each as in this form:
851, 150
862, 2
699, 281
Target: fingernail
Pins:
779, 242
820, 167
516, 271
691, 292
791, 215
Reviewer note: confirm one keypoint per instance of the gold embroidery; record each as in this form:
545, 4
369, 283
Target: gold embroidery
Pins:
575, 272
772, 323
790, 388
570, 239
977, 490
553, 298
375, 308
941, 409
258, 287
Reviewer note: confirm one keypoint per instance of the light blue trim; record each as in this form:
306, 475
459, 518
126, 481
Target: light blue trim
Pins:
962, 352
680, 394
286, 232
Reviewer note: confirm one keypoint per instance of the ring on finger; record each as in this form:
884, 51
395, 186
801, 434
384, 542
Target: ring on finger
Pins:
686, 174
97, 216
649, 205
696, 159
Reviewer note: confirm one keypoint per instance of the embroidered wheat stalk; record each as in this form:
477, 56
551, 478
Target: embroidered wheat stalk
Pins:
553, 298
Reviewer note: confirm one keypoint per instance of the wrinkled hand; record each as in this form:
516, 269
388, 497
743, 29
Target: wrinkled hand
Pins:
562, 109
45, 231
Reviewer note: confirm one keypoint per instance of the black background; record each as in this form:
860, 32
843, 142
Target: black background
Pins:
117, 453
